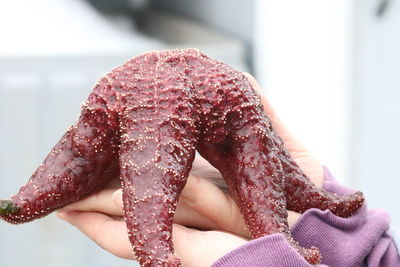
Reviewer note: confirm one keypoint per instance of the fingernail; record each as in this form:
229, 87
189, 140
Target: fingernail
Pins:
62, 215
65, 215
117, 198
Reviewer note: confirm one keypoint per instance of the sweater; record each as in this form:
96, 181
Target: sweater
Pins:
364, 239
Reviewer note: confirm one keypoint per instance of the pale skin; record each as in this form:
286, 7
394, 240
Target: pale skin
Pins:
207, 222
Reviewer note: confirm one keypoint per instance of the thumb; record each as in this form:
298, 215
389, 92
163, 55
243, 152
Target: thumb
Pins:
202, 248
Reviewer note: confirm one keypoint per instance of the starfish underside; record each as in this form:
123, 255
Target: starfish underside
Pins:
143, 122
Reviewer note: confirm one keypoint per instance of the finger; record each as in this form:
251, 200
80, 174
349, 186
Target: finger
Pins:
117, 199
114, 183
203, 205
293, 217
202, 168
208, 201
189, 217
293, 145
198, 248
296, 149
302, 156
192, 209
101, 201
277, 124
186, 212
108, 233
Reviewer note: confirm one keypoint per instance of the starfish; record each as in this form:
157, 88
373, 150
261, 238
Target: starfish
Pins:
144, 122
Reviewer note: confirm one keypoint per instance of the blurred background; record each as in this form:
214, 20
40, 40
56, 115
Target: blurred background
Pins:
330, 68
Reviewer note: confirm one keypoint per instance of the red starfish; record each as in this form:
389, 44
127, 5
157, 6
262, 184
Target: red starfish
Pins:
144, 122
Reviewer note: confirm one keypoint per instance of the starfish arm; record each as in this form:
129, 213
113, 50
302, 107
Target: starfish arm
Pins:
253, 172
153, 172
158, 139
249, 162
81, 162
302, 194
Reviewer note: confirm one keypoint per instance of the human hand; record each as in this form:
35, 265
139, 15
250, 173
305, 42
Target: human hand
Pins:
311, 167
202, 206
207, 223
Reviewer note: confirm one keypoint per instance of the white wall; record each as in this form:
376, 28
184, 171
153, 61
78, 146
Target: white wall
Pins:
39, 99
302, 60
332, 71
377, 109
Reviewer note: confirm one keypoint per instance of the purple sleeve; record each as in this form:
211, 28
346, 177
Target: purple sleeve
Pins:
361, 240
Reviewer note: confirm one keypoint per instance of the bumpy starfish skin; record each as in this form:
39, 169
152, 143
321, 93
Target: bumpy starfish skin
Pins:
143, 122
83, 161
